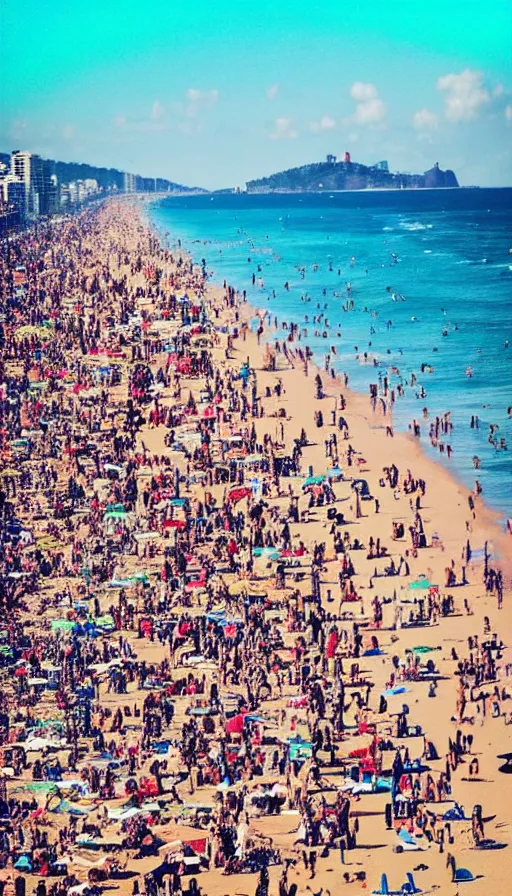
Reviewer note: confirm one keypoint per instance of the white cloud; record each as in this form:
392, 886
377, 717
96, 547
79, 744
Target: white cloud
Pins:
283, 130
157, 110
465, 94
68, 131
498, 90
325, 123
370, 109
273, 91
371, 112
508, 112
425, 120
363, 92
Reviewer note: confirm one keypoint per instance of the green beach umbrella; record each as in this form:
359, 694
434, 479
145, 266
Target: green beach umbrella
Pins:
313, 480
62, 625
421, 584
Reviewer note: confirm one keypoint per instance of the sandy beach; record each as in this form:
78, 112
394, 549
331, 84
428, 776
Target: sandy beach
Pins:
246, 626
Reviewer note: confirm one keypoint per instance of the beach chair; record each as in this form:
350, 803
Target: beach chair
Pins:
462, 875
409, 886
384, 888
407, 843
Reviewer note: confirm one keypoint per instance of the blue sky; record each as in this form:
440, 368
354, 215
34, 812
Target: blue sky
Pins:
220, 91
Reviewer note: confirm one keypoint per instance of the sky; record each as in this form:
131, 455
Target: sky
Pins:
216, 92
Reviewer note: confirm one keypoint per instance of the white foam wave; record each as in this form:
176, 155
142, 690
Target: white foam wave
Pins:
413, 225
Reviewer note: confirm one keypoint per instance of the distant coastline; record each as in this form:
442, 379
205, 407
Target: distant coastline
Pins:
342, 175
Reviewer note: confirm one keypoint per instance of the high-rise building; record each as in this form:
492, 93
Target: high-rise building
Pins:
48, 200
13, 195
27, 168
12, 192
129, 182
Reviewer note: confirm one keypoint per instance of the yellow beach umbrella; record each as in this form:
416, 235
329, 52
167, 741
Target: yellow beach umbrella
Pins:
30, 330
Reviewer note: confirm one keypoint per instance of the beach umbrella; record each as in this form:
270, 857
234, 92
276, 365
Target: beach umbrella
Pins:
48, 543
62, 625
174, 524
29, 330
334, 473
38, 743
235, 725
266, 553
421, 584
313, 480
23, 864
237, 494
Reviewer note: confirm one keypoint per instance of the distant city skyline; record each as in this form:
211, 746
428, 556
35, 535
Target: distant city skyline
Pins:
221, 93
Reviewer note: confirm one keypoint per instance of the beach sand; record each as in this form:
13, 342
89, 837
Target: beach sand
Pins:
444, 511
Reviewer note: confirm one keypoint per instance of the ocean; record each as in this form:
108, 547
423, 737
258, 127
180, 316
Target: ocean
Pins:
430, 294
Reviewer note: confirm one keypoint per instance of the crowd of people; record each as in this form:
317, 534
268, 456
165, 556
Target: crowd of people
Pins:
183, 664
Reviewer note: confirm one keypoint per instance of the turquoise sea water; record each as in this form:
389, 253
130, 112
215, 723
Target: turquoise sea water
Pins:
446, 252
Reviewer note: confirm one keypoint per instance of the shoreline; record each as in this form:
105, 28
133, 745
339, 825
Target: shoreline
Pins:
460, 465
489, 518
